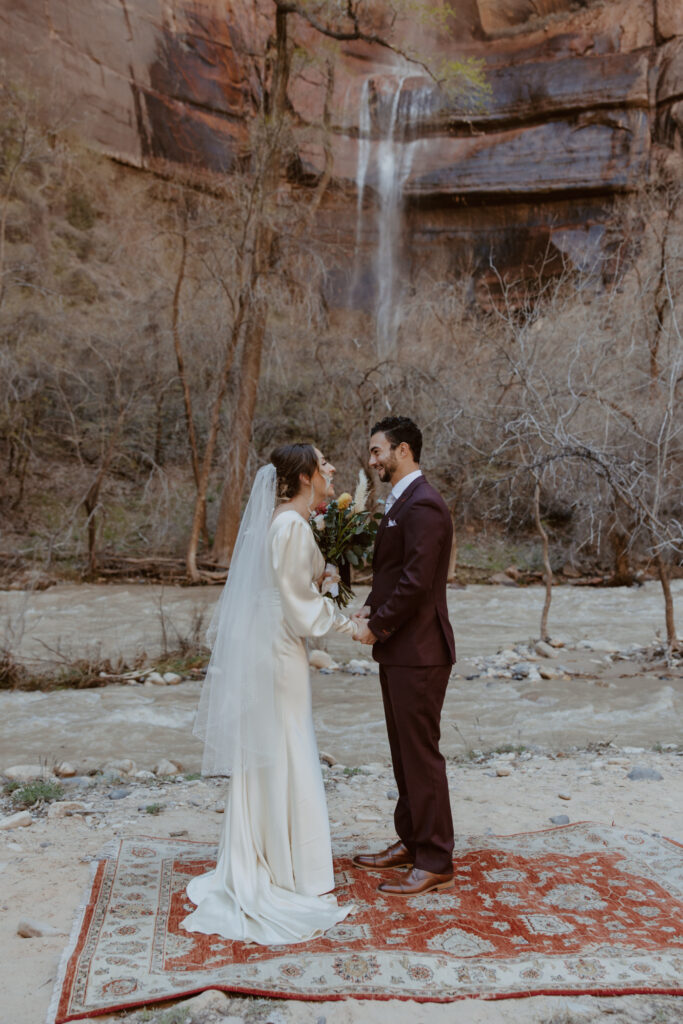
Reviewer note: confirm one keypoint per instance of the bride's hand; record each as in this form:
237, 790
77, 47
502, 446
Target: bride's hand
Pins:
329, 578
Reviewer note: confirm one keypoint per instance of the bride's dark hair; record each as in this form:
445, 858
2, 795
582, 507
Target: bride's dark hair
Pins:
290, 461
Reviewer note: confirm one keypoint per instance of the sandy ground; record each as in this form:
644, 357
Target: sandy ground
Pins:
601, 693
44, 868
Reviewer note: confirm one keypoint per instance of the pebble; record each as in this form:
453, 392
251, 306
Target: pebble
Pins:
565, 796
363, 816
545, 650
156, 679
118, 794
546, 672
27, 772
65, 770
19, 820
172, 678
502, 771
560, 819
142, 774
219, 808
638, 773
165, 767
392, 794
30, 929
328, 759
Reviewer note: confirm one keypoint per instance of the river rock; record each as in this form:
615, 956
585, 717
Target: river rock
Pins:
28, 772
65, 770
560, 819
155, 678
165, 767
545, 650
359, 667
209, 1002
22, 819
502, 579
172, 678
31, 929
639, 773
502, 771
328, 758
65, 809
320, 659
120, 766
118, 794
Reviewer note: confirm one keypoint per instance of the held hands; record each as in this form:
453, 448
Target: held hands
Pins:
363, 633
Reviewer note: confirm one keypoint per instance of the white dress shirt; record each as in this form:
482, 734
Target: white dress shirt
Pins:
398, 488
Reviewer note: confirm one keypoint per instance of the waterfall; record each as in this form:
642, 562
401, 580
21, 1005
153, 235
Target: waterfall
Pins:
387, 118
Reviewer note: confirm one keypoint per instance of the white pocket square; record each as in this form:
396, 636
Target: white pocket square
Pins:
392, 522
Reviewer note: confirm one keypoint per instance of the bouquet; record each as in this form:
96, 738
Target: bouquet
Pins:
345, 533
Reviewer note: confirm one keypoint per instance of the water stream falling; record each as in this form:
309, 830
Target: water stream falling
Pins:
387, 144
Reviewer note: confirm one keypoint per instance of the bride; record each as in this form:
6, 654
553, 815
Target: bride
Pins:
274, 859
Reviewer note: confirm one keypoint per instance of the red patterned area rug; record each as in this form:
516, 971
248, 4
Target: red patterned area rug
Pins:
580, 909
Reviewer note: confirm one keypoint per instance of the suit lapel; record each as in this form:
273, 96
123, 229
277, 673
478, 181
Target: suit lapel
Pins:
395, 510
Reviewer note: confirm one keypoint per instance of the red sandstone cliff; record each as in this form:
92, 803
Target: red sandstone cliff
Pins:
587, 98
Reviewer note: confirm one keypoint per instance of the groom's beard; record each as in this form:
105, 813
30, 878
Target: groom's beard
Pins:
386, 469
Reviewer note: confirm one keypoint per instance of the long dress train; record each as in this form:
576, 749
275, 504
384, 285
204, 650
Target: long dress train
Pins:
275, 859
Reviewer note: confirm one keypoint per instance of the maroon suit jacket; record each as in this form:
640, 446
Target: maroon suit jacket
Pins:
408, 611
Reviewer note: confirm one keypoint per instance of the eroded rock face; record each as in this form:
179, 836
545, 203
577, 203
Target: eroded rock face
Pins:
582, 94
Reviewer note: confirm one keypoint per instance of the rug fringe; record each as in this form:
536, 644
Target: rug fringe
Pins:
108, 851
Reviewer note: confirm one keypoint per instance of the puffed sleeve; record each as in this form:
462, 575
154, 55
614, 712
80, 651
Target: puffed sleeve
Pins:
306, 611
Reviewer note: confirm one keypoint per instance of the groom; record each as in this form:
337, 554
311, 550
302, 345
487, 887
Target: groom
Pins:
406, 620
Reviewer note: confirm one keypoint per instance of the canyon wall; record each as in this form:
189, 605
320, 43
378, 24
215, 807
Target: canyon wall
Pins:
586, 104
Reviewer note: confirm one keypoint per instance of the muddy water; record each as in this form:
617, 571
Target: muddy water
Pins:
620, 700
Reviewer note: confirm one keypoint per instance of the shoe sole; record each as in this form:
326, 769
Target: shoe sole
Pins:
386, 867
422, 892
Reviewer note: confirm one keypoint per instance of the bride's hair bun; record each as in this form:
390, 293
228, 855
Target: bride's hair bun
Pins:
290, 461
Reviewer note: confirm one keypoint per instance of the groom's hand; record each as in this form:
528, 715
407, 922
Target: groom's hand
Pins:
364, 634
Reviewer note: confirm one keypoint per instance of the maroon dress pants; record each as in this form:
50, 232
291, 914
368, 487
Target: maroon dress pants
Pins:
413, 698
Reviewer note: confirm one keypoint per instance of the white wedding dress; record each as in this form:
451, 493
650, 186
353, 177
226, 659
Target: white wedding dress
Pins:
275, 859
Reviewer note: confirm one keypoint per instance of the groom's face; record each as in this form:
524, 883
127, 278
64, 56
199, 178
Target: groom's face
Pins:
382, 457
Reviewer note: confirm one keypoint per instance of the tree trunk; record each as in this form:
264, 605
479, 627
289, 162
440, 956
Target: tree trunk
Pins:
250, 367
453, 560
663, 570
199, 516
91, 500
240, 440
548, 574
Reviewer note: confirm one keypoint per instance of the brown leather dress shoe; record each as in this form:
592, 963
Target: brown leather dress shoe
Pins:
416, 882
395, 856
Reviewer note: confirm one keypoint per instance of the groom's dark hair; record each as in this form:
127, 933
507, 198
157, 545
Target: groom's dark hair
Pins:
398, 429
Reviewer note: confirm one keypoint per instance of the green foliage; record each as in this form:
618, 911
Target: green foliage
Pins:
154, 808
465, 84
40, 789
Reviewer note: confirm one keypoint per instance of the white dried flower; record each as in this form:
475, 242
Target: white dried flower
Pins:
361, 494
319, 521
